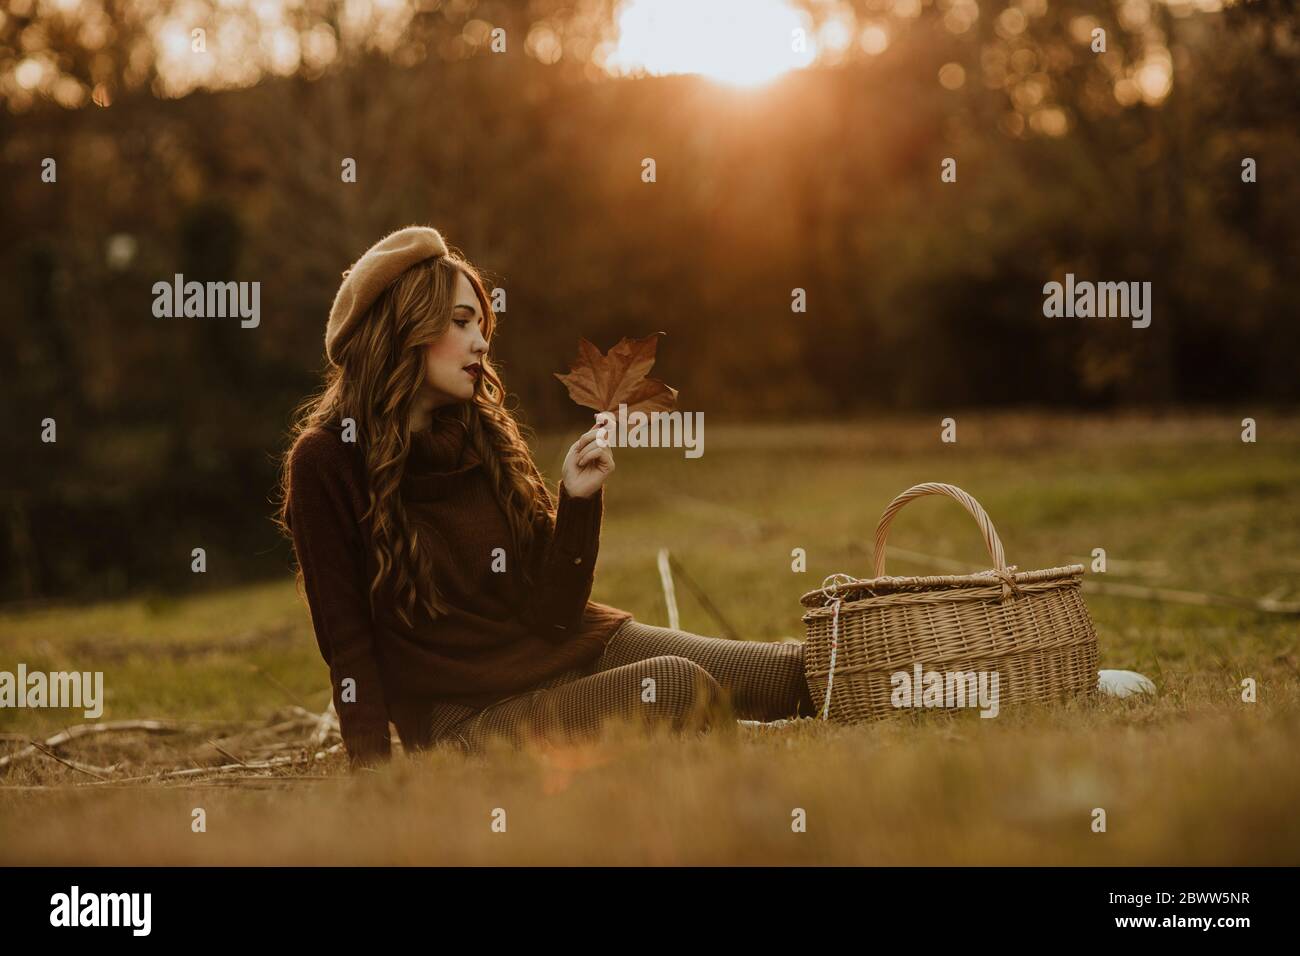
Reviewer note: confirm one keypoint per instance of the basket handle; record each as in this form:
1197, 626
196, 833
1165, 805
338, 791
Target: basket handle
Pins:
991, 539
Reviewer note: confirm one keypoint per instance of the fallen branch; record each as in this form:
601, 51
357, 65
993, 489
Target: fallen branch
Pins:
226, 753
296, 724
285, 745
1119, 589
703, 598
225, 768
82, 730
326, 722
670, 595
80, 768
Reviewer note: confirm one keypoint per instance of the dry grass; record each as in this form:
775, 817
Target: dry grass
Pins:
1194, 776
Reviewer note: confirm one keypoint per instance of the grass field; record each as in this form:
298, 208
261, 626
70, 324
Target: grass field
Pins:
1193, 776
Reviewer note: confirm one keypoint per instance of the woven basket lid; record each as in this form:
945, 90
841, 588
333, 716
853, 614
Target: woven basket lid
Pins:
849, 588
857, 589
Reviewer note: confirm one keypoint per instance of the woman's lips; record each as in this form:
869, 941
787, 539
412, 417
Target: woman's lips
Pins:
473, 371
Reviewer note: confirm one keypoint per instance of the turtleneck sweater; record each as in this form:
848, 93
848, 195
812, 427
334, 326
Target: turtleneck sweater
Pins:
499, 637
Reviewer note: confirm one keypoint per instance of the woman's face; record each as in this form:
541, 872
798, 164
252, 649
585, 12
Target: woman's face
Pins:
462, 346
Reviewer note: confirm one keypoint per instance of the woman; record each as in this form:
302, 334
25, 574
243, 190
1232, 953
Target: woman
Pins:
448, 591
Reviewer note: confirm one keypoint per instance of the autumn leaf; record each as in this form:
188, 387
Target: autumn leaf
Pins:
603, 382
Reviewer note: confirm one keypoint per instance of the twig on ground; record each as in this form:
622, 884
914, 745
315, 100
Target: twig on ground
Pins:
226, 768
703, 598
283, 745
224, 752
80, 768
670, 595
81, 730
326, 721
1119, 589
296, 724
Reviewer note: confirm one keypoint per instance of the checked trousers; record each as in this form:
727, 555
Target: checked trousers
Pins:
656, 675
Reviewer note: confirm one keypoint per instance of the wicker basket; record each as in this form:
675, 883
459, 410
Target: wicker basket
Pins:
1030, 627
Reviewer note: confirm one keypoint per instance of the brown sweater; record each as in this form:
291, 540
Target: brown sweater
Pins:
501, 637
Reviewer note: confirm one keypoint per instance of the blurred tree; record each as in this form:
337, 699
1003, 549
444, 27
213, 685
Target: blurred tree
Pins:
921, 294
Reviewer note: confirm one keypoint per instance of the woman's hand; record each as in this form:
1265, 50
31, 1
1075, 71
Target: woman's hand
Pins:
590, 459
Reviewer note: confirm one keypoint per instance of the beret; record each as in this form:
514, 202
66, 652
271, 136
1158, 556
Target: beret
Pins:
367, 278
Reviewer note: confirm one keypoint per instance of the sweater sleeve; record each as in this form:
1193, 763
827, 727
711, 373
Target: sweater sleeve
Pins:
327, 539
567, 569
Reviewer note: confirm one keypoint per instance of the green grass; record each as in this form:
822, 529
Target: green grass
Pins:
1193, 776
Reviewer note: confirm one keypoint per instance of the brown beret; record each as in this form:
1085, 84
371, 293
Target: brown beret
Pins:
378, 266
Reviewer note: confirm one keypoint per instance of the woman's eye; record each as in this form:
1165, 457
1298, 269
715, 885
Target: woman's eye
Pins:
461, 322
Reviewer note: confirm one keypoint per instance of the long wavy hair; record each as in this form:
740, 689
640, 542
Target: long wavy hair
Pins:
382, 370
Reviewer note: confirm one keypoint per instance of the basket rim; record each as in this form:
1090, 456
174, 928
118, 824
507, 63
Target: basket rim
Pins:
864, 588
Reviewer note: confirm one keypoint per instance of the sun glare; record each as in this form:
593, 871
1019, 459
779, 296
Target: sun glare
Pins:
740, 42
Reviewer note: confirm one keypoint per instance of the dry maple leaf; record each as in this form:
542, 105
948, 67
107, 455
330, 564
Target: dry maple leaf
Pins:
603, 382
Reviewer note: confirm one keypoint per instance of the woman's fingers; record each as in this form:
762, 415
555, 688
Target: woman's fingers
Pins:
594, 452
584, 442
596, 434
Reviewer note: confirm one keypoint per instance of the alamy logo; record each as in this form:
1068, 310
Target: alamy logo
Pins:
103, 909
211, 300
1102, 300
675, 429
924, 688
83, 689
